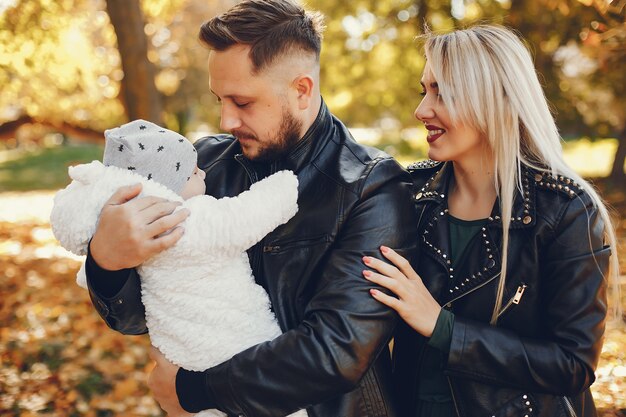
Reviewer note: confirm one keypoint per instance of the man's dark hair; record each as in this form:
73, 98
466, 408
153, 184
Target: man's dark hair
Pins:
269, 27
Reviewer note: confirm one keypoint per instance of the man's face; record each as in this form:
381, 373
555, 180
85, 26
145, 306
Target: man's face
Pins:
255, 107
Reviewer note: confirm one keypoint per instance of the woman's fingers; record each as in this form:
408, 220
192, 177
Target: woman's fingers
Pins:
384, 281
387, 300
382, 267
400, 262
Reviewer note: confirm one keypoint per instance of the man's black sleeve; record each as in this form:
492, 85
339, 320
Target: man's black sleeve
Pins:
116, 295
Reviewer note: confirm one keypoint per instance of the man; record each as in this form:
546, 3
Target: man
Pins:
332, 357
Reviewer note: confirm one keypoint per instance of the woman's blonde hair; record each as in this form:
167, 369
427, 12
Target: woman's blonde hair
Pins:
487, 80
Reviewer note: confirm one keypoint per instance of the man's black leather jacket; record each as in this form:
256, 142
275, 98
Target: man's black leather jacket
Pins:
539, 359
333, 356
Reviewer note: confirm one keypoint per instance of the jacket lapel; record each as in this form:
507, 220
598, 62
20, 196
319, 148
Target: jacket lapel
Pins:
484, 258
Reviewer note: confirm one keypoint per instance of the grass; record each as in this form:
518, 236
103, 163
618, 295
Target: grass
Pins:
44, 168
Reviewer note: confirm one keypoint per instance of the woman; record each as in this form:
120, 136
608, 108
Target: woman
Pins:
512, 246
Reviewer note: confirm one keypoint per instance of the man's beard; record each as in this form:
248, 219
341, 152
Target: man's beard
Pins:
286, 138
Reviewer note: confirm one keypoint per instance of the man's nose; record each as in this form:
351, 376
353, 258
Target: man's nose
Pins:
229, 119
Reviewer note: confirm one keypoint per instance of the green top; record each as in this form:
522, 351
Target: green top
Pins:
435, 399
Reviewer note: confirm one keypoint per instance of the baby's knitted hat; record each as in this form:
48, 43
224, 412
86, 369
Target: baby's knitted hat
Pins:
156, 153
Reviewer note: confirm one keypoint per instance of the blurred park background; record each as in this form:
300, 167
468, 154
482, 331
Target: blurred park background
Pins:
71, 68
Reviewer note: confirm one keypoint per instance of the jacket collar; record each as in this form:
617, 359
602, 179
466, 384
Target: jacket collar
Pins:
305, 150
485, 263
524, 208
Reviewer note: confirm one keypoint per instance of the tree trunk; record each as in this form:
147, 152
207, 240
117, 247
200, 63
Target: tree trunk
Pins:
617, 172
9, 130
422, 13
139, 94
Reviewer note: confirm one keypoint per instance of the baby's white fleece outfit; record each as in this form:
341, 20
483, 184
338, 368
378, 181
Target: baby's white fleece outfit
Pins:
202, 303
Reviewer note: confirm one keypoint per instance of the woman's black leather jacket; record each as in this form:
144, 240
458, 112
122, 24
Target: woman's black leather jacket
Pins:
539, 359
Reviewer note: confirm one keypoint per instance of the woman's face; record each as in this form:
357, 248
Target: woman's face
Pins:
447, 141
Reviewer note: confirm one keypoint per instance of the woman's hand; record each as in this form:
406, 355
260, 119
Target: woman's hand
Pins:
414, 303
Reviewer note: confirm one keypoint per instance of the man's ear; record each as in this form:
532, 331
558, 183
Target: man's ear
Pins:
304, 86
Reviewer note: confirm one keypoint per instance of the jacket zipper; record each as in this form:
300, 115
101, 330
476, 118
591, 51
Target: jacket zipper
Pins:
570, 407
456, 407
296, 243
515, 299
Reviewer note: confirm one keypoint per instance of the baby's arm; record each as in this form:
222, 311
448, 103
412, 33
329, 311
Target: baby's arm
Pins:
237, 223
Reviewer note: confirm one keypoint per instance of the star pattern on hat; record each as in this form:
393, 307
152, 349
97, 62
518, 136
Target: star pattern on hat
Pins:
171, 156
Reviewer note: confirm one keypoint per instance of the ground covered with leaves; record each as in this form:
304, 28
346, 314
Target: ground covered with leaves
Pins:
57, 357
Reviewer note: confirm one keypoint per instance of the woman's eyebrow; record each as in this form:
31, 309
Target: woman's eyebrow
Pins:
432, 85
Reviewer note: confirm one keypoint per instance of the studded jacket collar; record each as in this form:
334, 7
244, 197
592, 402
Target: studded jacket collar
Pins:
524, 207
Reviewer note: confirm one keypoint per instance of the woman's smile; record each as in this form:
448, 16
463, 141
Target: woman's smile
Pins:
434, 132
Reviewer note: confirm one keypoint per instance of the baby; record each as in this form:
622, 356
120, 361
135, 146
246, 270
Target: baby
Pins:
202, 303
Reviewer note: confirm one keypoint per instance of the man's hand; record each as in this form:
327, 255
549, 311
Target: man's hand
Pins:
162, 383
129, 232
